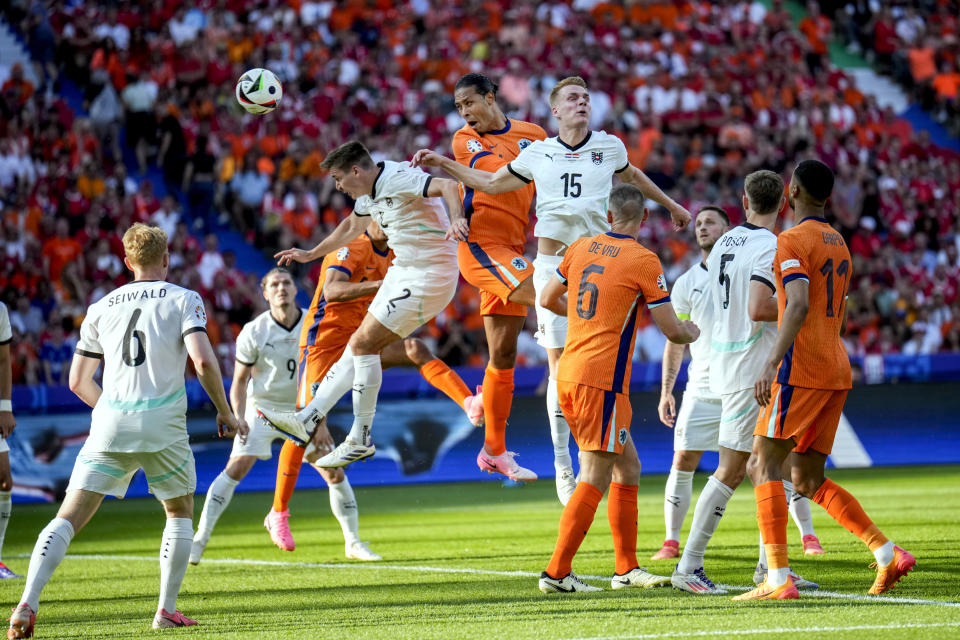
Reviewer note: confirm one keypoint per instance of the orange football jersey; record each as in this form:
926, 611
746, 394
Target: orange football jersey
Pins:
502, 218
814, 251
608, 276
334, 322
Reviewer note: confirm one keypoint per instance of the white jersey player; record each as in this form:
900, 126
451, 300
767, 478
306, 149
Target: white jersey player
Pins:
696, 425
573, 173
265, 375
7, 423
143, 333
418, 285
739, 275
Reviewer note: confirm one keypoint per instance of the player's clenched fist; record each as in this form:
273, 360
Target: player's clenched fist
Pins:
691, 328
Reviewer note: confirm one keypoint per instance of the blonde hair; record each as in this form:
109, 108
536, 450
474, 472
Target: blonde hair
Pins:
145, 245
566, 82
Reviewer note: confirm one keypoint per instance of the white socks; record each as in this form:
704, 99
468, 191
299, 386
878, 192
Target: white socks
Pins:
799, 509
559, 430
5, 507
884, 555
344, 507
677, 495
336, 383
174, 553
367, 378
777, 577
51, 546
706, 516
218, 497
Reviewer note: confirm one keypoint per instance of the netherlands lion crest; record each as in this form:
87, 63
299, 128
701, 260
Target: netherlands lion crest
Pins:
597, 157
518, 263
622, 437
523, 143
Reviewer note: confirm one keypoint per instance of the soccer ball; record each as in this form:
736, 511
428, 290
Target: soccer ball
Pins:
259, 91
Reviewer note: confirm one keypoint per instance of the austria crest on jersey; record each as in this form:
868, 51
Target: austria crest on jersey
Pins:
597, 157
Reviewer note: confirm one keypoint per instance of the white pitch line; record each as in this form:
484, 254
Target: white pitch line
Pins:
376, 566
780, 630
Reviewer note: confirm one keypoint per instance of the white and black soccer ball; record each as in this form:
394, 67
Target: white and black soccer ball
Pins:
259, 91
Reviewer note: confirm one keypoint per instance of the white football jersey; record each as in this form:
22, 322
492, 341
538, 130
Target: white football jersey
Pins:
138, 330
6, 332
573, 183
692, 299
272, 350
415, 225
740, 345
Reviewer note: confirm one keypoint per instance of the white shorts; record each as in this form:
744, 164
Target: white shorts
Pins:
698, 424
170, 472
551, 328
410, 298
260, 438
738, 419
4, 447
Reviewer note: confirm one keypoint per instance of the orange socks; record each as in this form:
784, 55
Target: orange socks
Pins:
772, 515
622, 514
446, 379
288, 468
574, 524
846, 510
497, 400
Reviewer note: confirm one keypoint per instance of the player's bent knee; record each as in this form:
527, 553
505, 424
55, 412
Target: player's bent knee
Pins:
417, 351
6, 483
806, 486
686, 460
332, 476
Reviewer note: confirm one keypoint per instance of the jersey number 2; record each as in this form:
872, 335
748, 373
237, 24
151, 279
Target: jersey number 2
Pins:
591, 288
134, 355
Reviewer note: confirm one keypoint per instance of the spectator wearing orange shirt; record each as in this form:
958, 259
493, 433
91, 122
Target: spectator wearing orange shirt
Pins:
59, 250
817, 28
17, 90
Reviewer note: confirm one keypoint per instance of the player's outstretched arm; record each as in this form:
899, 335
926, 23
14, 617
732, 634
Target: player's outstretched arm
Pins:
798, 303
208, 372
676, 330
761, 303
670, 369
499, 182
348, 230
338, 288
680, 216
82, 370
238, 390
7, 421
553, 296
447, 189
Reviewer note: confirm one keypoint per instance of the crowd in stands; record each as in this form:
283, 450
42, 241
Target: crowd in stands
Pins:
701, 93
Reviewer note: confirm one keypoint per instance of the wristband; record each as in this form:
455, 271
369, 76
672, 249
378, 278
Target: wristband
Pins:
6, 405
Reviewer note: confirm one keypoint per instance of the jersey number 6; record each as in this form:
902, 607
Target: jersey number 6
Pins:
134, 356
591, 288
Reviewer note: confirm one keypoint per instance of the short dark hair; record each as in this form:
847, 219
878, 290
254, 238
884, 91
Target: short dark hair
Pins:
273, 272
764, 189
718, 210
479, 82
816, 179
347, 155
626, 203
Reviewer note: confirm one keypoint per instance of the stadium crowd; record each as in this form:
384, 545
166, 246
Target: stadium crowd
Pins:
701, 93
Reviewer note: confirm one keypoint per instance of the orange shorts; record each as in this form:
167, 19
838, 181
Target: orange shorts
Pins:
314, 364
807, 416
599, 420
496, 270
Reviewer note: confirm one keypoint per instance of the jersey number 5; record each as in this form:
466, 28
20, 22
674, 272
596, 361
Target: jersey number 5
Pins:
725, 278
591, 288
134, 355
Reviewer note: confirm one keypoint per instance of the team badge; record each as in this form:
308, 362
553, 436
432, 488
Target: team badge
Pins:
200, 313
597, 157
518, 263
789, 264
389, 202
523, 143
343, 253
473, 145
622, 437
661, 282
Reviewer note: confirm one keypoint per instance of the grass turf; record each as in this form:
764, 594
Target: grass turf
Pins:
423, 529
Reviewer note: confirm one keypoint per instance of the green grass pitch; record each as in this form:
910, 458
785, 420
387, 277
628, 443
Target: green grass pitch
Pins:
461, 560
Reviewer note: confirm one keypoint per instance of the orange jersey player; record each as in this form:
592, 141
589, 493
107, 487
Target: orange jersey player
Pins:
349, 280
803, 386
607, 277
492, 257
